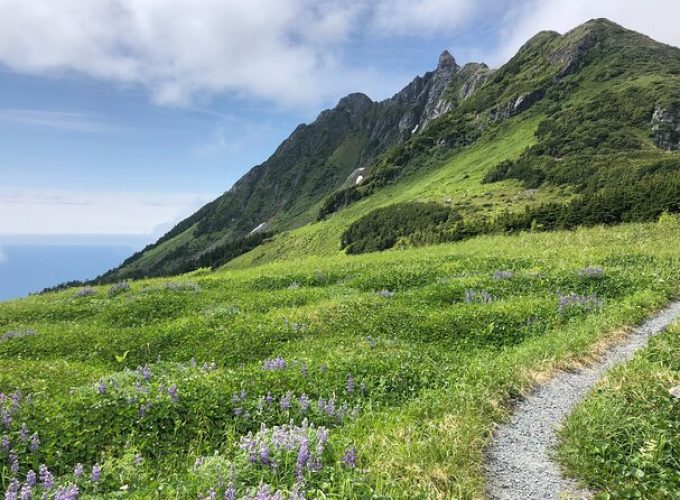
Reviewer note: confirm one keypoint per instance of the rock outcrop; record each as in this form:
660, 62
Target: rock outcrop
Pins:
666, 127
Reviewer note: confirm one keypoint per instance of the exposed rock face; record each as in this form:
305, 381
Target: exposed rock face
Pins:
666, 128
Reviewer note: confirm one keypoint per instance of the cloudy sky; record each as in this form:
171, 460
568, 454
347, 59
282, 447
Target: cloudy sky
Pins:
122, 116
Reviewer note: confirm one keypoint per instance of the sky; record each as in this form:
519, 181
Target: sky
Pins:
120, 117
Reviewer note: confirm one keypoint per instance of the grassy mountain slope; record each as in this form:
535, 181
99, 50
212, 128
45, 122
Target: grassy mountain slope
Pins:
576, 115
433, 340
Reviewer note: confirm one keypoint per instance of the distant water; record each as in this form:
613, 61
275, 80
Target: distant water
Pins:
26, 268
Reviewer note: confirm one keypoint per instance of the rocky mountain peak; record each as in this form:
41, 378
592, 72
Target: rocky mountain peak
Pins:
447, 62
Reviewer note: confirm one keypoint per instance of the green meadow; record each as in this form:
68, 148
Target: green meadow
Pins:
380, 375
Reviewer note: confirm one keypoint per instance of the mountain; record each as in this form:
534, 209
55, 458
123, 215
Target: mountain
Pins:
570, 119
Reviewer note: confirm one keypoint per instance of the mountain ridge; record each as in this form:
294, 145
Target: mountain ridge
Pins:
353, 150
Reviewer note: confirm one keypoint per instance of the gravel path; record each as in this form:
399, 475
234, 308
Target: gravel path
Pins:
518, 460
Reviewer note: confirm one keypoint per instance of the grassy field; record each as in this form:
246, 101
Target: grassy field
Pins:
623, 441
387, 371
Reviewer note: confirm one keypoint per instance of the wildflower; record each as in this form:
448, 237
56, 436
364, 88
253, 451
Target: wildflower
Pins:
386, 294
5, 443
303, 457
349, 459
172, 392
144, 409
96, 473
23, 433
304, 403
101, 387
78, 470
285, 401
350, 384
12, 490
265, 458
321, 440
503, 275
303, 370
46, 477
476, 296
25, 493
31, 478
230, 492
6, 419
67, 493
138, 459
118, 288
274, 364
144, 372
269, 398
13, 462
35, 442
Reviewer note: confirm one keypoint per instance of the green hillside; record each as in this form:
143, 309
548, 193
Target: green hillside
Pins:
406, 356
589, 114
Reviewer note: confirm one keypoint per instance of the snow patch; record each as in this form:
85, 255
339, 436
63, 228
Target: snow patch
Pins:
415, 129
260, 226
359, 180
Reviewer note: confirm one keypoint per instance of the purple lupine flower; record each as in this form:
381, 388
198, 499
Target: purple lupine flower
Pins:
12, 490
35, 442
304, 403
350, 384
101, 387
23, 433
6, 419
269, 398
138, 459
13, 462
31, 478
25, 492
302, 458
145, 372
265, 455
263, 493
96, 473
303, 370
172, 392
321, 404
144, 409
274, 364
285, 401
78, 470
5, 443
46, 477
330, 408
321, 440
238, 411
349, 459
70, 492
230, 492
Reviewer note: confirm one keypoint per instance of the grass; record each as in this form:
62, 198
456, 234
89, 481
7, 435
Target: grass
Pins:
456, 182
431, 371
623, 440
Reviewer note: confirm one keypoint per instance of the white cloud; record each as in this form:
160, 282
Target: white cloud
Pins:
62, 120
424, 16
656, 18
53, 212
285, 51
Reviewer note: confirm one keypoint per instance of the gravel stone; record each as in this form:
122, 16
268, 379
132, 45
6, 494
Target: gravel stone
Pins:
519, 462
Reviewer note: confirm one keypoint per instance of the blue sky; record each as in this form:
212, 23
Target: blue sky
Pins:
120, 117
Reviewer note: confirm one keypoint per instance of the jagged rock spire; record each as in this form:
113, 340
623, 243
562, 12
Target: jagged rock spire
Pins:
446, 61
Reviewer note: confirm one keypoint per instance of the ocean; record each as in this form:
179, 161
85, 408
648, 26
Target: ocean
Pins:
30, 267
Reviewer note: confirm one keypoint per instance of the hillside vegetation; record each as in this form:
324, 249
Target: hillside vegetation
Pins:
592, 114
405, 358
